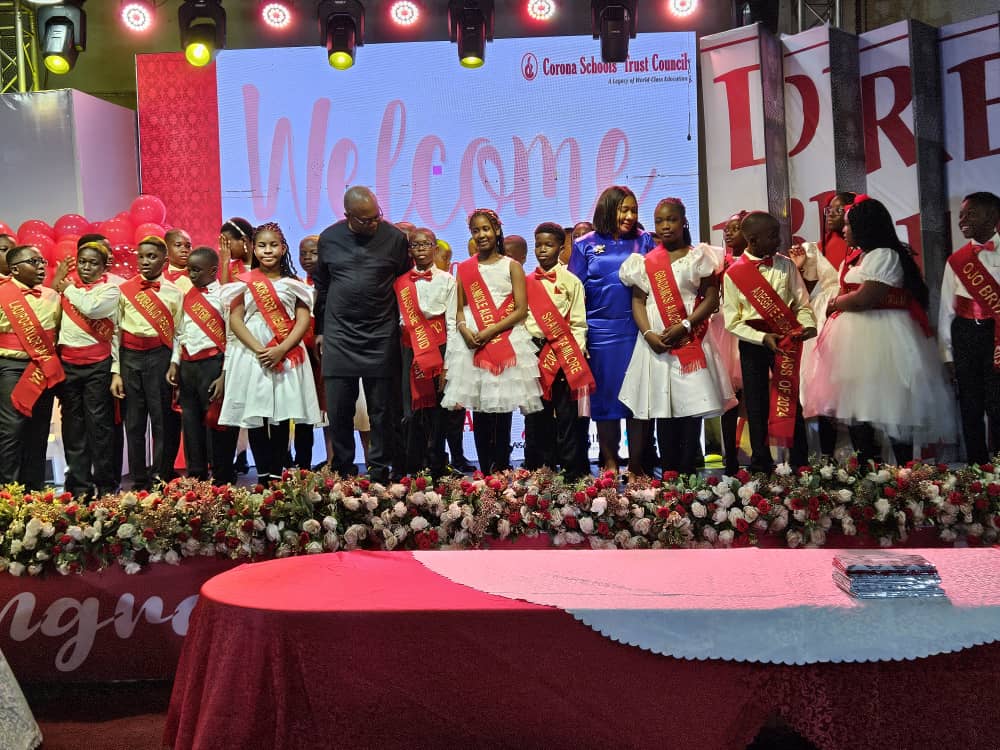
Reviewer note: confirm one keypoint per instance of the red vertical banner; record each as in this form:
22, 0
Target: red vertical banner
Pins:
970, 75
179, 141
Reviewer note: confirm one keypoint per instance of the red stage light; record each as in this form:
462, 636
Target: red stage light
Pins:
137, 16
682, 7
404, 12
541, 10
276, 15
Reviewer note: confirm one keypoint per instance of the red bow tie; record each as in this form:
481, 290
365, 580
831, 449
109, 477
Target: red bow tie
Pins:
34, 292
417, 275
540, 274
768, 261
987, 246
146, 284
102, 280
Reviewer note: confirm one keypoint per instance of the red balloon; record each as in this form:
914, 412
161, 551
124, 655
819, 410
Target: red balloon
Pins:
33, 237
117, 231
71, 224
148, 209
36, 224
44, 244
6, 229
64, 248
147, 229
94, 227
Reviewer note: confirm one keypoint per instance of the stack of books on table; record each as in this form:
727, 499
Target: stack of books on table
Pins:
876, 574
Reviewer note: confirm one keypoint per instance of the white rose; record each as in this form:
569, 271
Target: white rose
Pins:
129, 499
76, 532
698, 510
799, 515
314, 548
42, 555
418, 498
193, 545
845, 495
352, 503
746, 491
783, 469
30, 542
946, 535
503, 528
587, 525
793, 538
33, 527
838, 512
171, 557
704, 495
16, 569
638, 511
371, 502
975, 529
735, 514
726, 537
720, 516
330, 523
273, 534
35, 569
598, 505
848, 527
826, 472
750, 514
397, 490
419, 523
885, 541
881, 508
126, 531
883, 476
817, 537
48, 530
642, 526
727, 499
779, 524
389, 541
15, 546
622, 538
710, 534
399, 510
556, 517
311, 526
314, 497
132, 568
842, 475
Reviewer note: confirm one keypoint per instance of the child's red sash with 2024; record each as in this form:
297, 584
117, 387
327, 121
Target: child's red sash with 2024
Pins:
44, 369
498, 353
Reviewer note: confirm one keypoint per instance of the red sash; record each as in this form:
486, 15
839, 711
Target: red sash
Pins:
151, 308
778, 319
277, 319
44, 370
896, 299
666, 293
203, 314
425, 337
497, 354
982, 287
561, 350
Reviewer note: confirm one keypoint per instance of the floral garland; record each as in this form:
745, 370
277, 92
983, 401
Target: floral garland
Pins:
307, 513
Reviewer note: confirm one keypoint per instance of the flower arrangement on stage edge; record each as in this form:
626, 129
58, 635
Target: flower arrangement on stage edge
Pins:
311, 512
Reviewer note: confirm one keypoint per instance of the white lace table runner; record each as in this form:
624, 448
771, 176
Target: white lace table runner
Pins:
775, 606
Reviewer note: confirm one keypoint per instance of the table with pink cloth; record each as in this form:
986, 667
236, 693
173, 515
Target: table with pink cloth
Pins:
532, 649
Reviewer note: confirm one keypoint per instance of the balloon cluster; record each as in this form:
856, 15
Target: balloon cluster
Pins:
146, 216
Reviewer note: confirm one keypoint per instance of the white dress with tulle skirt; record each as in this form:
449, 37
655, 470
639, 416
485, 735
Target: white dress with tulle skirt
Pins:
878, 366
654, 385
256, 395
477, 388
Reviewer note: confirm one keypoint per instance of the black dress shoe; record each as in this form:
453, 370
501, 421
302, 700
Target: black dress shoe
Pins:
463, 466
240, 466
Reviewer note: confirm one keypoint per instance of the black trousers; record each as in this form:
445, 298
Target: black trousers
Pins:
556, 436
978, 387
679, 439
492, 435
270, 449
88, 425
23, 439
304, 441
148, 397
757, 361
423, 430
201, 441
454, 422
383, 397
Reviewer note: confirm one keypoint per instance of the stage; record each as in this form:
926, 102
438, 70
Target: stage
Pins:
375, 649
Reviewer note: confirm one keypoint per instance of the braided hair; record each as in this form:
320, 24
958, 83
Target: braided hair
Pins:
679, 204
286, 267
494, 220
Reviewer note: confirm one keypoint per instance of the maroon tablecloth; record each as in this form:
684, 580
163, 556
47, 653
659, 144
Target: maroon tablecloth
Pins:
369, 649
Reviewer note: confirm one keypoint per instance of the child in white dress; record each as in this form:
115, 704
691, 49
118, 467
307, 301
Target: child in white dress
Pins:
675, 375
876, 365
268, 378
490, 363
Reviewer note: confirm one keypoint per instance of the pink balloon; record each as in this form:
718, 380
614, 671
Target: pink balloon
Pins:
117, 231
148, 209
36, 224
147, 229
71, 224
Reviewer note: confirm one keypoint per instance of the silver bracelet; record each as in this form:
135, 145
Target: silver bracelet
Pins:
645, 332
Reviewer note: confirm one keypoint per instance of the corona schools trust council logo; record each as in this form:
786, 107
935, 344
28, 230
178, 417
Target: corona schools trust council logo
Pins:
529, 66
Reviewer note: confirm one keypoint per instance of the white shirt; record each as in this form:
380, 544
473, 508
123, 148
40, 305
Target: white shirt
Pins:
788, 285
100, 301
437, 295
190, 334
952, 286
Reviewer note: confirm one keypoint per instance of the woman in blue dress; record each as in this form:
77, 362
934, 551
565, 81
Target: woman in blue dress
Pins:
611, 331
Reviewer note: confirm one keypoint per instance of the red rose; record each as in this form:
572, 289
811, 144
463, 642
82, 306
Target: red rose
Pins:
423, 541
220, 536
329, 483
976, 486
982, 503
670, 476
433, 535
712, 481
889, 492
514, 518
364, 484
72, 509
182, 536
61, 524
687, 498
592, 491
930, 511
955, 498
304, 538
545, 515
65, 539
942, 467
466, 486
191, 497
973, 540
655, 484
606, 482
544, 503
258, 488
269, 501
868, 512
993, 489
115, 549
803, 470
862, 528
855, 512
662, 511
303, 473
797, 503
56, 549
248, 525
531, 500
231, 513
814, 514
743, 476
580, 497
286, 475
195, 522
988, 468
609, 474
570, 521
603, 529
495, 484
852, 463
813, 503
421, 483
405, 481
763, 506
148, 533
232, 542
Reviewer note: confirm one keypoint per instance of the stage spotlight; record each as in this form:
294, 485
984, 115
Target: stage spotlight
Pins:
137, 15
682, 7
62, 29
613, 22
404, 12
203, 30
277, 15
541, 10
342, 30
470, 24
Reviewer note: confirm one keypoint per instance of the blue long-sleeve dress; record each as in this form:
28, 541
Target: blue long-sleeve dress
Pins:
611, 330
